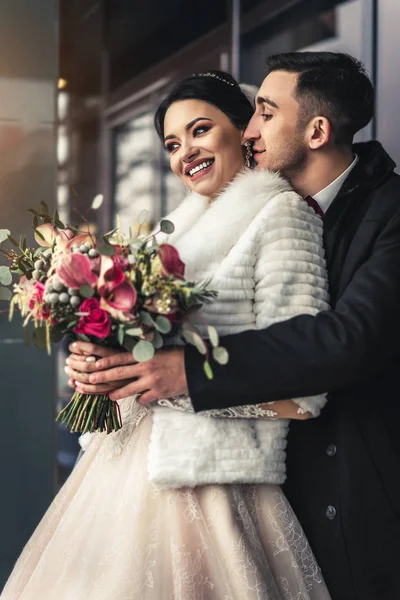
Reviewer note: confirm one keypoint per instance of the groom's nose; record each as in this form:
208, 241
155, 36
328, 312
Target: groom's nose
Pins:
252, 131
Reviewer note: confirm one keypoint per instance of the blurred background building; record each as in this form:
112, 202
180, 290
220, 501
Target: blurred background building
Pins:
79, 84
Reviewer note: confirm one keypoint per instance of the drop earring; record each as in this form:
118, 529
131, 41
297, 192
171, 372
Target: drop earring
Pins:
248, 154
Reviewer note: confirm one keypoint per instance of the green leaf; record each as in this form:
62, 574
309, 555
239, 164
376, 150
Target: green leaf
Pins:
143, 216
86, 291
213, 335
5, 294
14, 241
33, 212
56, 334
4, 235
134, 332
109, 233
199, 343
121, 334
106, 249
221, 355
39, 234
44, 208
143, 351
97, 201
146, 318
208, 370
158, 341
59, 224
5, 276
167, 226
23, 245
83, 337
35, 222
39, 337
163, 324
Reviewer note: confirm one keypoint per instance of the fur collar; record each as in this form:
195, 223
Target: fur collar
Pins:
206, 232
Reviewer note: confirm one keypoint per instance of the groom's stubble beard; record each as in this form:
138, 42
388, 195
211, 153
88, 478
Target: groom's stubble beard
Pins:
289, 158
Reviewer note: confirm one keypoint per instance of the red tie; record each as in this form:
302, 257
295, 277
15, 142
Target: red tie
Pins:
314, 204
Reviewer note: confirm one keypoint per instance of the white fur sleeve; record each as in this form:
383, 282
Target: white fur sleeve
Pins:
290, 271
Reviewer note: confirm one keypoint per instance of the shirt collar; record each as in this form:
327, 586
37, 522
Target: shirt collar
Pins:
326, 196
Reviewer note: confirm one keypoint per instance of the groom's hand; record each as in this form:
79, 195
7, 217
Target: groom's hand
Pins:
161, 377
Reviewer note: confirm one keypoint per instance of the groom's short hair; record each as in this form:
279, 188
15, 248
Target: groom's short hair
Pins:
330, 84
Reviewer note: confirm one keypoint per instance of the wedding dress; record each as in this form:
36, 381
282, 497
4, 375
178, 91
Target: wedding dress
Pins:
111, 534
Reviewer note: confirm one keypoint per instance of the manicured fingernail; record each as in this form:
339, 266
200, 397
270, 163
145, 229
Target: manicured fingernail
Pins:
75, 345
66, 369
86, 353
91, 359
67, 361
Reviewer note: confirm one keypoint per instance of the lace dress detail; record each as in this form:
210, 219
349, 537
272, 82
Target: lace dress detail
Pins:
253, 411
112, 535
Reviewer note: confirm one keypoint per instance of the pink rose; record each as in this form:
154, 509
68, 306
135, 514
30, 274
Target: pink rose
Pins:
37, 304
96, 323
171, 263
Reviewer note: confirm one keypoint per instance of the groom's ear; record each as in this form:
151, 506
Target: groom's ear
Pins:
319, 132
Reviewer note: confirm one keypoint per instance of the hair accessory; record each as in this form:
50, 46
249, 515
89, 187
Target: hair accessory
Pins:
208, 74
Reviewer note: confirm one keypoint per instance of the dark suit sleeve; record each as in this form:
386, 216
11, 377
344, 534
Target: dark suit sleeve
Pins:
309, 355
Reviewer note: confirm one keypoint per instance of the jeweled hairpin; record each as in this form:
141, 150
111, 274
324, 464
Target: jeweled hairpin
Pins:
215, 77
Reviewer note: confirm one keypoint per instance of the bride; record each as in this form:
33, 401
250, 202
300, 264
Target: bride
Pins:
180, 506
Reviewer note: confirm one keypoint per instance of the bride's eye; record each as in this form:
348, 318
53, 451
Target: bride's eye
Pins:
201, 129
266, 116
171, 147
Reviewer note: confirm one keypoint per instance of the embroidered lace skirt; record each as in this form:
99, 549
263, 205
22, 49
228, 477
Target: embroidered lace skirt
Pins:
111, 535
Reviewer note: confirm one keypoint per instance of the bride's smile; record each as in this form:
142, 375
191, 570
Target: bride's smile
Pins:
204, 146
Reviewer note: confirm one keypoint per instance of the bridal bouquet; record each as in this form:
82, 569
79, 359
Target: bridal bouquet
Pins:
125, 292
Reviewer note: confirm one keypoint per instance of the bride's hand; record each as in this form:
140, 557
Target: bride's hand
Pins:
82, 362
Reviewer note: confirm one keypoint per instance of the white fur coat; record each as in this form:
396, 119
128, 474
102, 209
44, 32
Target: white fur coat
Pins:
260, 246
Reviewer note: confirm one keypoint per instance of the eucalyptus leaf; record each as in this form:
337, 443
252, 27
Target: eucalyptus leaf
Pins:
221, 355
158, 341
5, 294
4, 235
208, 370
97, 201
167, 226
199, 343
143, 351
120, 335
134, 332
106, 249
86, 291
5, 276
146, 318
213, 335
163, 324
143, 216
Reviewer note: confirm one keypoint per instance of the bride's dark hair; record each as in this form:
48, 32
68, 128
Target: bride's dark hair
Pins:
214, 87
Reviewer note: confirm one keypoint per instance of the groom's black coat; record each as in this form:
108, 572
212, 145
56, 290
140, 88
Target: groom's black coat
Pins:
344, 467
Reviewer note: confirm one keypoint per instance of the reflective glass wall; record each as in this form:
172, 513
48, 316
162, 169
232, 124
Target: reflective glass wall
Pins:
28, 165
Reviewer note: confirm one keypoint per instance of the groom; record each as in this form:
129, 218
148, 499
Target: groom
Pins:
344, 467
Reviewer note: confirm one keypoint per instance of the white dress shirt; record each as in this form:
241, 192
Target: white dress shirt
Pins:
326, 196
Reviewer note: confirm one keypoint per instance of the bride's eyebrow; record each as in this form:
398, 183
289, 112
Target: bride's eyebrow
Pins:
188, 127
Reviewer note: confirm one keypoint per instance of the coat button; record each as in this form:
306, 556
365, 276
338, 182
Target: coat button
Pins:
330, 512
331, 450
